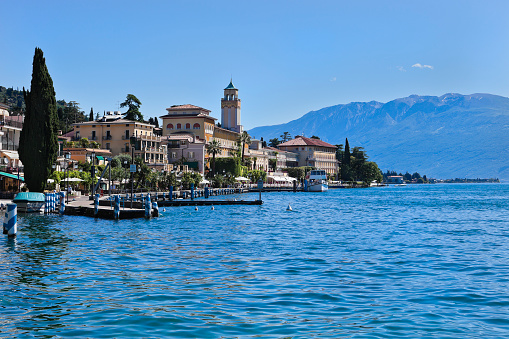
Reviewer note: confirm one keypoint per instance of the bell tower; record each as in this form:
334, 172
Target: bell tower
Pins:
230, 109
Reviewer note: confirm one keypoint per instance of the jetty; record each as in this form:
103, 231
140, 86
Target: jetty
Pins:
131, 207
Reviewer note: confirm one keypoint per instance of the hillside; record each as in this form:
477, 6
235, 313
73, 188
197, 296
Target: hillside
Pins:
449, 136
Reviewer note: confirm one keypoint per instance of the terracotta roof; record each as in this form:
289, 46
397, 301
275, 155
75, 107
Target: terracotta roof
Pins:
187, 106
303, 141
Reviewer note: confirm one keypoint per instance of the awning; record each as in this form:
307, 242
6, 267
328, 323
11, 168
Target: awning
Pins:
99, 157
280, 178
12, 176
241, 179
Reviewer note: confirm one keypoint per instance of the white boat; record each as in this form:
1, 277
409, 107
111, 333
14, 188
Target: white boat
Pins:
401, 184
317, 181
29, 202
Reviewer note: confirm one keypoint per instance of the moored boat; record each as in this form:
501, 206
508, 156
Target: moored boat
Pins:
317, 181
29, 202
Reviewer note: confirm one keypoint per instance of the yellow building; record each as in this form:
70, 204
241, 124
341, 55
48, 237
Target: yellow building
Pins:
113, 132
313, 152
197, 123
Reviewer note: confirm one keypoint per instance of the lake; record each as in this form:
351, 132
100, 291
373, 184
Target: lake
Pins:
414, 261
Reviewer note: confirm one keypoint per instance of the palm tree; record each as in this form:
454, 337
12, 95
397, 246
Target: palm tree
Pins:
213, 147
244, 139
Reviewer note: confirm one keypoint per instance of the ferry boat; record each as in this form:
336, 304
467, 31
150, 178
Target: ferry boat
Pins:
317, 181
29, 202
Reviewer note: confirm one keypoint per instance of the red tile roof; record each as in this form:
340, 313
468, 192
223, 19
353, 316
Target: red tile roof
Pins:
303, 141
187, 106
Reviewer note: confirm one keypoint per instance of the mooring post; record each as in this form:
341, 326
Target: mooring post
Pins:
117, 207
192, 191
96, 205
171, 193
62, 203
148, 207
12, 220
155, 209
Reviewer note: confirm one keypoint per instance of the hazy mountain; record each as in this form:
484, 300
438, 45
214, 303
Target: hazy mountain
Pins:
449, 136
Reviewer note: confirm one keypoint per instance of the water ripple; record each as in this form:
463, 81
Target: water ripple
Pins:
418, 261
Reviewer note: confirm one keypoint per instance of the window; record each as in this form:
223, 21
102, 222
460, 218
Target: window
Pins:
107, 145
196, 126
127, 134
169, 126
173, 155
179, 126
190, 155
188, 126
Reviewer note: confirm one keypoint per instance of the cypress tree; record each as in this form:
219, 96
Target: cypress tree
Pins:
38, 143
346, 173
91, 115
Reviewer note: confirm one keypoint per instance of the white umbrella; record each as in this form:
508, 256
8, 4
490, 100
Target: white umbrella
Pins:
241, 179
204, 181
51, 180
72, 179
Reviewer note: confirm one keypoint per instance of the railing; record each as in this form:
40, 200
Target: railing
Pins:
8, 146
92, 138
125, 138
11, 123
106, 137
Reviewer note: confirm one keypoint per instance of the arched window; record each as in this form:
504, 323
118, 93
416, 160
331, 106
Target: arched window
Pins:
169, 126
179, 126
188, 126
196, 126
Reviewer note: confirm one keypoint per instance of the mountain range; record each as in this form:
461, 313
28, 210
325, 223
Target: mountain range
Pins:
450, 136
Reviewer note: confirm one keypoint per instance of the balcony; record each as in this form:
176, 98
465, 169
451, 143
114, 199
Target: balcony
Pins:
93, 137
106, 137
11, 123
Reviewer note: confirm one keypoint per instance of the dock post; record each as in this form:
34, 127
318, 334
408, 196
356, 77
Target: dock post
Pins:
117, 207
148, 206
96, 205
5, 221
192, 191
305, 185
206, 192
46, 203
62, 203
171, 193
11, 215
155, 209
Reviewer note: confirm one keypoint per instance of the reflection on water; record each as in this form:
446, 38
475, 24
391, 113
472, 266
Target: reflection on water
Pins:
398, 262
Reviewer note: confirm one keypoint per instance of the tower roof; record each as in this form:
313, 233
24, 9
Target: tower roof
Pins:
230, 86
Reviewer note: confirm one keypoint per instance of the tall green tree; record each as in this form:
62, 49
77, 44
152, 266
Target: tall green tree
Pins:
91, 115
133, 108
213, 147
38, 144
274, 142
346, 172
285, 136
244, 139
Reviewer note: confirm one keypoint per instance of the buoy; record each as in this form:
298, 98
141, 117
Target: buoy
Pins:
212, 208
196, 208
164, 209
289, 208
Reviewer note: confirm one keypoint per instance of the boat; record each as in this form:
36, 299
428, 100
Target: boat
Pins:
317, 181
29, 202
401, 184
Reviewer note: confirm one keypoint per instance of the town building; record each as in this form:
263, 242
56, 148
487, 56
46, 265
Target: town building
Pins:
10, 130
189, 128
313, 152
119, 135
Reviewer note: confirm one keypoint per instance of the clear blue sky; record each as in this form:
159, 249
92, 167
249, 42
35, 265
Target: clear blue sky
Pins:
286, 57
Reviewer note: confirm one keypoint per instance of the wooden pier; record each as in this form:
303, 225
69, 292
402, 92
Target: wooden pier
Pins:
85, 207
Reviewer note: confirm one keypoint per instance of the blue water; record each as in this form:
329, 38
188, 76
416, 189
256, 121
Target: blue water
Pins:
415, 261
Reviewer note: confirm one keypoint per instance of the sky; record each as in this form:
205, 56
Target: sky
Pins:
285, 57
